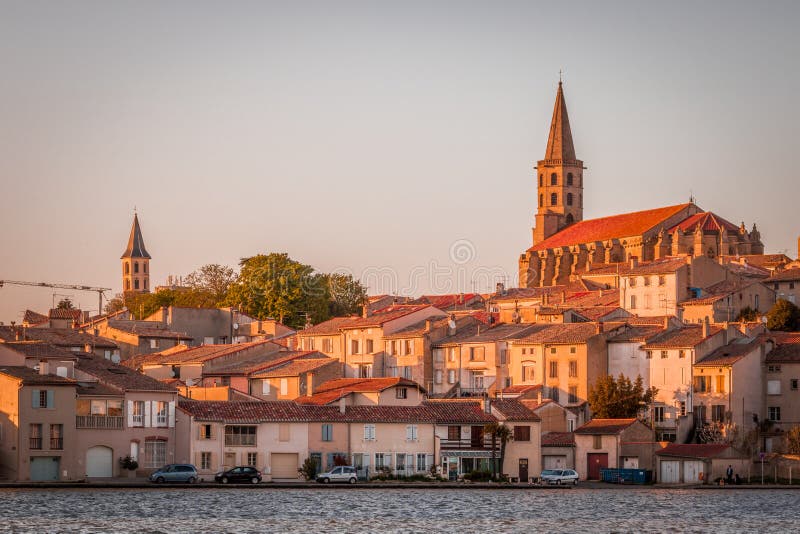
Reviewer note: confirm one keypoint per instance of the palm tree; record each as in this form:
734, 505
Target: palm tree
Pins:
503, 434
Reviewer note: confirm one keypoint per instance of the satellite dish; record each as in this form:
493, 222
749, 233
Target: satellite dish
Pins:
236, 326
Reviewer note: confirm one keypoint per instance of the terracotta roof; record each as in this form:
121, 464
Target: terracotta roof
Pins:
605, 426
787, 275
787, 349
764, 260
60, 337
513, 410
455, 411
418, 328
97, 389
665, 266
707, 222
295, 367
520, 388
200, 354
258, 363
563, 333
730, 353
615, 226
381, 317
717, 292
558, 439
639, 333
329, 327
135, 247
333, 390
118, 376
33, 318
444, 302
63, 313
39, 349
499, 332
687, 337
154, 329
748, 271
32, 378
694, 450
533, 404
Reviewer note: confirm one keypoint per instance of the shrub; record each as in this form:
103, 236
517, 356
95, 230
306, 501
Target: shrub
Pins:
129, 463
309, 469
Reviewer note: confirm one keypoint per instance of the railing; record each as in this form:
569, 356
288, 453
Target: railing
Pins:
112, 422
473, 392
240, 439
138, 420
35, 443
484, 442
56, 443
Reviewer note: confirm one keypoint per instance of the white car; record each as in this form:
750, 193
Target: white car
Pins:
559, 476
343, 473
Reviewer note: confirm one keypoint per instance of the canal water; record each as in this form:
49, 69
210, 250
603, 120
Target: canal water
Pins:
392, 510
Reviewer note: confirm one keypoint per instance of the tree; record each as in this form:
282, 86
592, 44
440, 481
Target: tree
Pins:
783, 316
114, 305
142, 305
347, 295
65, 304
274, 285
500, 434
747, 314
213, 279
793, 440
620, 398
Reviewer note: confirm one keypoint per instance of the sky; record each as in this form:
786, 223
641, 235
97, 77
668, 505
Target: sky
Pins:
391, 140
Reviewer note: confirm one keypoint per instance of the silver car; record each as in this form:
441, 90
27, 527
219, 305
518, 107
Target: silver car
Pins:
342, 473
559, 476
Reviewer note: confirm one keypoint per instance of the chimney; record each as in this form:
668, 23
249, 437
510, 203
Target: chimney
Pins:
87, 348
342, 406
451, 326
428, 325
539, 396
705, 327
599, 328
290, 343
600, 293
487, 405
634, 262
309, 384
501, 288
165, 315
666, 322
44, 367
365, 311
479, 330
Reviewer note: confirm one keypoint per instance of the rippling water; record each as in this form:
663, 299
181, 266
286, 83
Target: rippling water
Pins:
391, 510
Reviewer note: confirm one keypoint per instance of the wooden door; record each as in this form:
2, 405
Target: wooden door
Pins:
523, 469
595, 462
476, 437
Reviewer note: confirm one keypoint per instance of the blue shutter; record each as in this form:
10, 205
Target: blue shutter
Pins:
51, 402
36, 398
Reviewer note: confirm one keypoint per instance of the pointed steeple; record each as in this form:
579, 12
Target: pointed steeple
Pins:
135, 242
559, 143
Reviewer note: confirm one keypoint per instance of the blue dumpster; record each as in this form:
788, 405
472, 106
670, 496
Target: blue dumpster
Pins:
626, 476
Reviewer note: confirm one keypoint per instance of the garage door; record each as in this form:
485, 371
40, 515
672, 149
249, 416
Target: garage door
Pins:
284, 465
693, 472
555, 462
99, 463
670, 472
44, 468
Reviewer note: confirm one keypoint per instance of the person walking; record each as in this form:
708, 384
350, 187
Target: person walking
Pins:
729, 474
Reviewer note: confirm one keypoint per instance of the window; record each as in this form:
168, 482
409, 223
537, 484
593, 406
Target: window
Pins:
128, 269
383, 461
664, 355
401, 462
702, 384
127, 285
411, 432
773, 368
528, 372
476, 354
327, 432
205, 461
569, 199
552, 350
437, 376
649, 354
632, 281
681, 353
773, 387
240, 435
573, 395
451, 376
155, 453
369, 346
135, 267
720, 385
205, 431
569, 178
407, 371
553, 369
284, 432
553, 199
573, 369
597, 442
451, 355
718, 413
365, 371
401, 393
774, 413
422, 462
453, 433
161, 413
573, 350
662, 280
266, 387
408, 346
354, 346
554, 394
35, 436
647, 302
541, 180
327, 345
658, 414
541, 200
252, 459
554, 179
633, 302
138, 413
136, 284
144, 268
153, 343
646, 280
791, 285
522, 433
793, 384
369, 433
284, 386
683, 408
503, 356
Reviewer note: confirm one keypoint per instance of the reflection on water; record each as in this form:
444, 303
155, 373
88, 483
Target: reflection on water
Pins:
387, 510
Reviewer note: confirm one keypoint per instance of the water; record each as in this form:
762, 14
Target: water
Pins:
391, 510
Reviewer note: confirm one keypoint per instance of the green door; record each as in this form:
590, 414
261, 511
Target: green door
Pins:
44, 468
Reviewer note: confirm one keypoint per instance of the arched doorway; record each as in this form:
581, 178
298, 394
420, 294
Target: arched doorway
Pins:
99, 462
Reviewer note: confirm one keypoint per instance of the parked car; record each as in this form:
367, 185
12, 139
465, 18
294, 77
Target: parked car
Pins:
342, 473
175, 473
239, 474
559, 476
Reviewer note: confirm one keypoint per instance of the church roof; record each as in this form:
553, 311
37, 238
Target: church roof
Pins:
559, 142
615, 226
135, 242
707, 221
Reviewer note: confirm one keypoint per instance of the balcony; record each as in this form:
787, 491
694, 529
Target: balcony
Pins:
484, 442
56, 444
473, 392
35, 443
240, 440
109, 422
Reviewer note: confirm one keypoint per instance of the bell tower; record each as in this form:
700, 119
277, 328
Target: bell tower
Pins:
135, 262
559, 177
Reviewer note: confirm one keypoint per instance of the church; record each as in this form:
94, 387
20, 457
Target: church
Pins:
565, 245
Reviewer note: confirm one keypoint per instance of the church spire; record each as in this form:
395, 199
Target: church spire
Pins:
135, 242
559, 143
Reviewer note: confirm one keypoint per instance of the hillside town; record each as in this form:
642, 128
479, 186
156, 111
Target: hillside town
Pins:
673, 308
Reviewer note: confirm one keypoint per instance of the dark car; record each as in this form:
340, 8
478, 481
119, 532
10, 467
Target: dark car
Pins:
239, 474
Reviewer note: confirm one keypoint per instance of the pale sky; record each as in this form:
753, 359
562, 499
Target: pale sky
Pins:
374, 136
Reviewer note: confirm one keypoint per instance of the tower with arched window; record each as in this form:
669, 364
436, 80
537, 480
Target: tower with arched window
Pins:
135, 262
560, 177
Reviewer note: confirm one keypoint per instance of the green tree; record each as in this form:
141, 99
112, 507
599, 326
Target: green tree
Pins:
347, 295
618, 398
65, 304
783, 316
213, 279
142, 305
501, 435
747, 314
274, 285
114, 305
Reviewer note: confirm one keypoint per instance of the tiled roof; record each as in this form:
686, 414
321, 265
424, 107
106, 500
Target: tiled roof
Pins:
598, 313
520, 389
707, 221
748, 271
454, 411
730, 353
615, 226
200, 354
31, 377
329, 327
381, 317
60, 337
787, 349
295, 367
665, 266
135, 247
787, 275
33, 318
694, 450
154, 329
258, 363
444, 302
563, 333
717, 292
418, 328
513, 410
533, 404
639, 333
558, 439
63, 313
605, 426
768, 261
98, 389
39, 349
333, 390
687, 337
502, 331
118, 376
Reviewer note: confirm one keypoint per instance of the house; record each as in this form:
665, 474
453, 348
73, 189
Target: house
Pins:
452, 302
785, 284
523, 455
613, 443
66, 338
723, 302
292, 377
136, 338
558, 450
782, 374
554, 417
698, 463
366, 392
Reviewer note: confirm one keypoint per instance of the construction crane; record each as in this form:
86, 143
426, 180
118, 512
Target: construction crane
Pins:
100, 290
